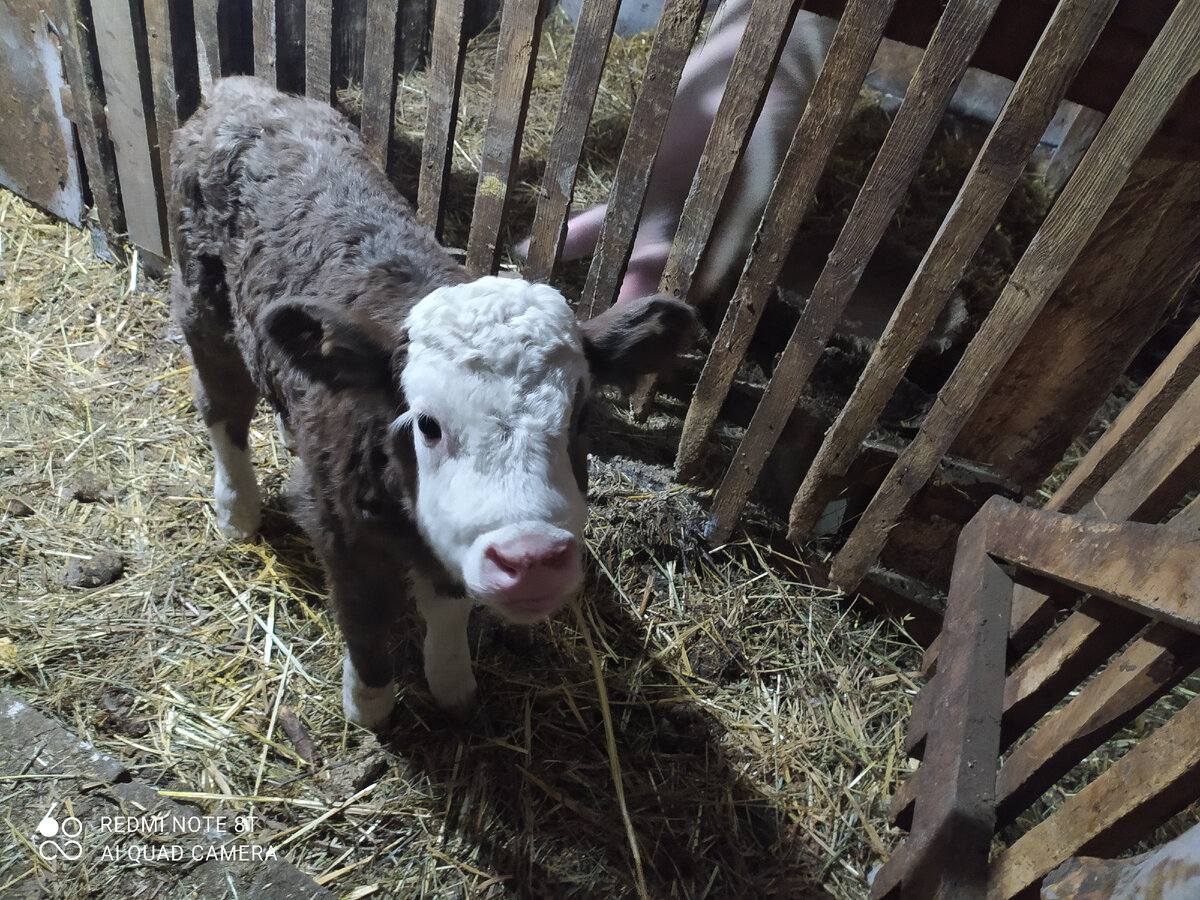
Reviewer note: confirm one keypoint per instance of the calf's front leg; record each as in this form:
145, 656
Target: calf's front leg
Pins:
446, 650
366, 609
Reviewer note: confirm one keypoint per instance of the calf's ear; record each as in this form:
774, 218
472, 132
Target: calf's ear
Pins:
326, 346
633, 339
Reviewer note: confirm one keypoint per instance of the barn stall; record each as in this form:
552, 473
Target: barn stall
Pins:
707, 722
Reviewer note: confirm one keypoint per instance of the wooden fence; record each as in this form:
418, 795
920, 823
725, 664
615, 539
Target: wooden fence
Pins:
1119, 245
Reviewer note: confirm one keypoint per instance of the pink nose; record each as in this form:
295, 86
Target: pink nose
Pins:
530, 575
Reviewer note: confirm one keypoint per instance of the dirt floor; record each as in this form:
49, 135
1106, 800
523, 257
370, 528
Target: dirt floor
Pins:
701, 723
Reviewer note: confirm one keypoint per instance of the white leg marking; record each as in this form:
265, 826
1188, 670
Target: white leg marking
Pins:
285, 435
447, 653
234, 486
365, 705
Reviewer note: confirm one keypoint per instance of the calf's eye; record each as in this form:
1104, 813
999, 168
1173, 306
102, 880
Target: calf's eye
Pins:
429, 427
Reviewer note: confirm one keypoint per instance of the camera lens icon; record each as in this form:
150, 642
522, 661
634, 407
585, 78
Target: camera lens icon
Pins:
67, 846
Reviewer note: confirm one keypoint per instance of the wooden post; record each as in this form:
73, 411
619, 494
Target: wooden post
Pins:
520, 32
441, 114
208, 41
140, 191
318, 49
162, 75
265, 55
596, 21
379, 79
87, 99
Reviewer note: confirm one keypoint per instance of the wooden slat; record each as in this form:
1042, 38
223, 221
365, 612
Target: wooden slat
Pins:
318, 49
1140, 415
1171, 62
441, 114
767, 28
1064, 45
677, 27
592, 36
947, 854
833, 96
162, 76
520, 32
379, 79
1145, 671
1152, 781
1134, 564
208, 41
140, 193
87, 99
1145, 487
265, 54
942, 67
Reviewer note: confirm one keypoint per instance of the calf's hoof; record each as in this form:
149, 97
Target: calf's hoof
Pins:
363, 704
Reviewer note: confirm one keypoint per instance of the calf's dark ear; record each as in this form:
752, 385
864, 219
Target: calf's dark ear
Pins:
632, 339
326, 346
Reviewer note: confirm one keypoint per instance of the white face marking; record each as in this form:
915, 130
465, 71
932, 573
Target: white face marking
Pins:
235, 489
493, 372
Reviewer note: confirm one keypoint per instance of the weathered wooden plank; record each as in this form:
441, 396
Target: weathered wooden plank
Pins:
520, 32
379, 79
441, 113
1060, 52
140, 192
208, 41
945, 61
1162, 469
833, 96
318, 49
1144, 567
1142, 256
947, 853
1147, 484
265, 53
592, 36
1140, 415
757, 55
87, 100
1154, 779
677, 28
1145, 671
1169, 65
162, 77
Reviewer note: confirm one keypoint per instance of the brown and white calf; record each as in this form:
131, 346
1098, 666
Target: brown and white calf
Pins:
436, 419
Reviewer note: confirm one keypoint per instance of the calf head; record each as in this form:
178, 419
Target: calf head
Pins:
490, 381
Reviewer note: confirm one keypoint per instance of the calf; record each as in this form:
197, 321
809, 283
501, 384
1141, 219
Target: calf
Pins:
436, 419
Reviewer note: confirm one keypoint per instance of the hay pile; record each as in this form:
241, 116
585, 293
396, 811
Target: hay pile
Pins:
751, 722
